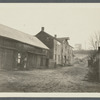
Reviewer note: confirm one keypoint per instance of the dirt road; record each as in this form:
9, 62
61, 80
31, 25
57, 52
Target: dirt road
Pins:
65, 79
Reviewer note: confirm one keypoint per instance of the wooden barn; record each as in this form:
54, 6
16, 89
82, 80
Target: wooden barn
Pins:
19, 50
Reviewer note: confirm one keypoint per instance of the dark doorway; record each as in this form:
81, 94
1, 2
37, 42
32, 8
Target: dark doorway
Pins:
65, 59
21, 60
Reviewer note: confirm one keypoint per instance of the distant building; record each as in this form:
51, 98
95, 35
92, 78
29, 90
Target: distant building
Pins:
78, 47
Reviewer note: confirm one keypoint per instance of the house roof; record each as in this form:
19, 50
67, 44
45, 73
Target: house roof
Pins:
50, 36
14, 34
71, 46
63, 38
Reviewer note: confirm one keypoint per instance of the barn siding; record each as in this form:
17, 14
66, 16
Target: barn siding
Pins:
6, 58
9, 50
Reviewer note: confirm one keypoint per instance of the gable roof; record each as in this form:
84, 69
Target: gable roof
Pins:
63, 38
14, 34
71, 46
49, 35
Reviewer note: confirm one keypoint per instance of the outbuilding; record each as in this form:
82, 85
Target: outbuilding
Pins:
19, 50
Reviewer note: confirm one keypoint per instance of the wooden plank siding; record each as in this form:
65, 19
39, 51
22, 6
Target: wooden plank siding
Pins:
6, 58
9, 50
37, 61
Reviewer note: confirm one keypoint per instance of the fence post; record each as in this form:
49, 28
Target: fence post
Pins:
99, 61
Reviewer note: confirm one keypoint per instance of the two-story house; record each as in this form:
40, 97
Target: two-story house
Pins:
66, 51
53, 44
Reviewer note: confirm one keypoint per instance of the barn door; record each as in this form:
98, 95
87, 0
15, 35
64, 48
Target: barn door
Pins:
6, 59
32, 60
1, 58
21, 60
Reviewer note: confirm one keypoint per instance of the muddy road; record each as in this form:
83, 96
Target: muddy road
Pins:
62, 79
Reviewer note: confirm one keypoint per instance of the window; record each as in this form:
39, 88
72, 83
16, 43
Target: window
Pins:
55, 56
59, 58
48, 38
19, 57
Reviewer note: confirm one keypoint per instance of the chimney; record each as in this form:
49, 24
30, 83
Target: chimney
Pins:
42, 28
55, 36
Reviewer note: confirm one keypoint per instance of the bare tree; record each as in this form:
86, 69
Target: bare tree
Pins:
95, 41
93, 61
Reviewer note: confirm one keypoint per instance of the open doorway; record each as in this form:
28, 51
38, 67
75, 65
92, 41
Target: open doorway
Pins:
21, 61
65, 59
18, 60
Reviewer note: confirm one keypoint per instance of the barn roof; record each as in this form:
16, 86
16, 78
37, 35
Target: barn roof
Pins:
14, 34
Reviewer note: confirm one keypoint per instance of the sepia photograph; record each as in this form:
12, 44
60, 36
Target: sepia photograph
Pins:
50, 47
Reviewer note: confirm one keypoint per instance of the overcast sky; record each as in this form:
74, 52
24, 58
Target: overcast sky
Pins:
77, 21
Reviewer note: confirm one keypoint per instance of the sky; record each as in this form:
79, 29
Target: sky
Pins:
75, 20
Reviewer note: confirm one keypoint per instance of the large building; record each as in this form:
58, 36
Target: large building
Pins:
19, 50
53, 44
60, 50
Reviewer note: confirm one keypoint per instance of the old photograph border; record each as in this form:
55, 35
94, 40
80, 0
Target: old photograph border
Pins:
50, 96
49, 1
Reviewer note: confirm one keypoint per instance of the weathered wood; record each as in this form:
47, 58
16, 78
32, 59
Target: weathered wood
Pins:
6, 59
9, 50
